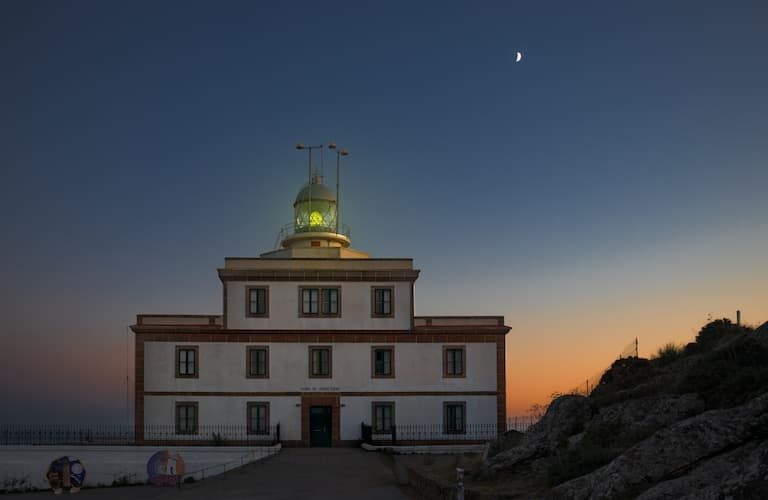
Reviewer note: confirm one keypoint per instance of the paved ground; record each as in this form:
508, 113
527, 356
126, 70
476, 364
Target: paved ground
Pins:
317, 473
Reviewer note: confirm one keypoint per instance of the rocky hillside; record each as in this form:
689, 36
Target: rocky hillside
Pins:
692, 422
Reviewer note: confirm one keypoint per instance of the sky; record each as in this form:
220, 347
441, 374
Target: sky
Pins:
608, 187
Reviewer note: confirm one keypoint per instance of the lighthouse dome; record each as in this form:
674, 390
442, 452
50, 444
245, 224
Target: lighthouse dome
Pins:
315, 192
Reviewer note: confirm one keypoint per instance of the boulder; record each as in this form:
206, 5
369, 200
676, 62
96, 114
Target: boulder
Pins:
565, 417
627, 422
761, 333
671, 452
741, 473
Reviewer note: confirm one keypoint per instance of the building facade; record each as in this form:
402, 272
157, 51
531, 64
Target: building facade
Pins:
321, 339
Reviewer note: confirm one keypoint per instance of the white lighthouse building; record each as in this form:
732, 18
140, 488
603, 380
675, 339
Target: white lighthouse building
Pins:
319, 338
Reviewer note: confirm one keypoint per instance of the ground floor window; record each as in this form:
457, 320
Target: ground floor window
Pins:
383, 417
186, 418
454, 417
258, 418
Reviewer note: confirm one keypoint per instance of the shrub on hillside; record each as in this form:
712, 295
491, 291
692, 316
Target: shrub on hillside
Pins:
667, 353
733, 372
626, 373
717, 331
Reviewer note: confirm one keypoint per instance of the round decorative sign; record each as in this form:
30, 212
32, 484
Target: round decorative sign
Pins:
165, 468
66, 473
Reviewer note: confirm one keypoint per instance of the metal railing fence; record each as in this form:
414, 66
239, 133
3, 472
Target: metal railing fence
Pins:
415, 433
123, 434
521, 423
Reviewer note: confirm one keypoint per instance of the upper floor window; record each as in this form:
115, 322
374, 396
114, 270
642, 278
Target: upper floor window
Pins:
320, 362
381, 301
454, 417
186, 418
454, 361
257, 362
383, 362
320, 301
383, 417
257, 301
258, 418
186, 361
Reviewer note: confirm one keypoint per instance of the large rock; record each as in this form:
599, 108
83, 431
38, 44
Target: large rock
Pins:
761, 333
741, 473
565, 417
671, 452
627, 422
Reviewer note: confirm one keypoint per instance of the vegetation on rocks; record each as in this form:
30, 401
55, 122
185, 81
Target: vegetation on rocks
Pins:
655, 428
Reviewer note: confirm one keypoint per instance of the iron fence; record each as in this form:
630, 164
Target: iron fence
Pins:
416, 433
521, 423
122, 434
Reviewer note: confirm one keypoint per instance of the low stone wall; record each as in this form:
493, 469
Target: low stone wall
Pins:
25, 467
433, 449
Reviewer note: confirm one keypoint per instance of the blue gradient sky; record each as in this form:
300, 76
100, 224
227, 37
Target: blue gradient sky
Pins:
611, 185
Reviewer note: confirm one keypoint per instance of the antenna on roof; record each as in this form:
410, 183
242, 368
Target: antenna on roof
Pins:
301, 146
339, 154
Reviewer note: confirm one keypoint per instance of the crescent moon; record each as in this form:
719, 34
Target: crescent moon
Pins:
518, 56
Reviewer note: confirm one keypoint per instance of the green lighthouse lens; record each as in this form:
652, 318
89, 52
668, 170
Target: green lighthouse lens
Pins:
315, 219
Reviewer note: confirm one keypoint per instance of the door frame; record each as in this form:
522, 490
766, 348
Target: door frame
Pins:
315, 399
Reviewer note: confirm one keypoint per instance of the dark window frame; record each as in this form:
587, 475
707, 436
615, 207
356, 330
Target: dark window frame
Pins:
450, 427
446, 352
320, 302
196, 417
248, 351
248, 312
374, 423
374, 311
389, 348
313, 348
177, 352
249, 414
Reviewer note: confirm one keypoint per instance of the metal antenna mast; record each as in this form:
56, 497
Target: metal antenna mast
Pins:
339, 154
301, 146
309, 169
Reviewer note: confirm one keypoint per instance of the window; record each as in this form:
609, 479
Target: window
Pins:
186, 418
383, 360
256, 301
381, 302
453, 361
257, 362
320, 301
258, 418
454, 417
186, 362
320, 362
383, 417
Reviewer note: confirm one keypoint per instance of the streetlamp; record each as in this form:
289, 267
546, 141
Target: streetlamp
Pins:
339, 154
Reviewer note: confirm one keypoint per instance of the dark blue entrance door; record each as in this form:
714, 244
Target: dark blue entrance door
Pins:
320, 426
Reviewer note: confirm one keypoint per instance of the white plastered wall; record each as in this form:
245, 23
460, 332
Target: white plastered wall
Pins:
284, 307
221, 365
286, 410
230, 410
419, 410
